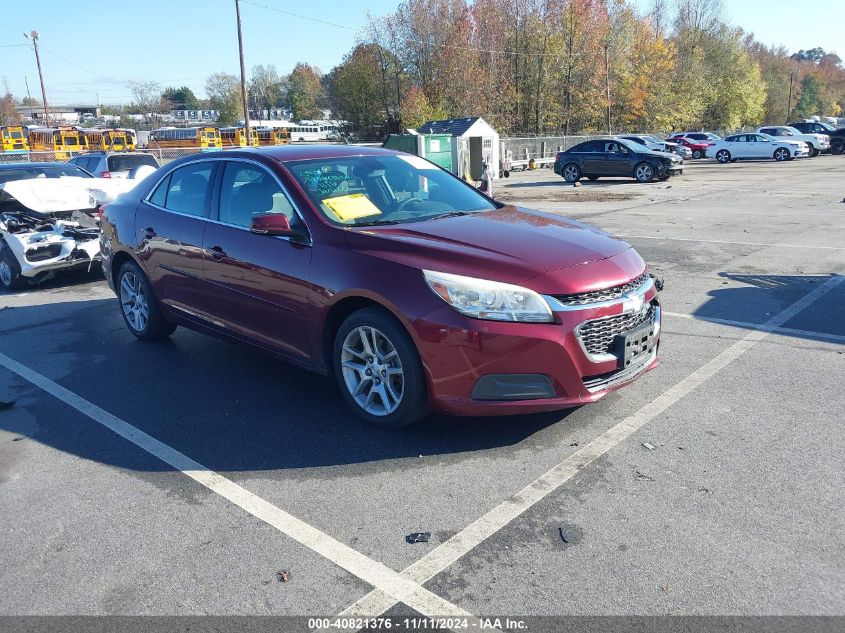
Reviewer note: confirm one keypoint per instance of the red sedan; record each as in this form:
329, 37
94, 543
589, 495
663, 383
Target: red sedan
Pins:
698, 147
414, 290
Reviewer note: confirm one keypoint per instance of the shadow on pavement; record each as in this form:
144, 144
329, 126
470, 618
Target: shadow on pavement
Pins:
760, 297
223, 404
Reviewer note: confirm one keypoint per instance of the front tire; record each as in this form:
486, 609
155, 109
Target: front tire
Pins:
644, 172
10, 270
571, 172
781, 154
378, 369
814, 152
138, 305
723, 156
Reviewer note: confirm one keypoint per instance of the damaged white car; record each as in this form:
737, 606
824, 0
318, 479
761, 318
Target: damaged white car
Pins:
48, 224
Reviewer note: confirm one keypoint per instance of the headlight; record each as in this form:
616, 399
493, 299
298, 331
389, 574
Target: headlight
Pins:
491, 300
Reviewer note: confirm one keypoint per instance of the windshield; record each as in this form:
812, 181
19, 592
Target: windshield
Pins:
362, 190
26, 173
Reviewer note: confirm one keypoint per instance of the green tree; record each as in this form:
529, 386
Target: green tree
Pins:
808, 102
305, 92
182, 98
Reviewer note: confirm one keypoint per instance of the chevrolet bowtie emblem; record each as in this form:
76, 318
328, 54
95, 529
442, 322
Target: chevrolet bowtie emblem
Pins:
632, 302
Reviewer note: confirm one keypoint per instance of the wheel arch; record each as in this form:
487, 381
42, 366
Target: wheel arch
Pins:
338, 313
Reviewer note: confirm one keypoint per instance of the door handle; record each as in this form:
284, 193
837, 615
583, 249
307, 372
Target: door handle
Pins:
149, 233
217, 252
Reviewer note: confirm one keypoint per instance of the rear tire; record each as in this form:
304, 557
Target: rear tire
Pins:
696, 154
378, 369
10, 270
723, 156
571, 172
138, 305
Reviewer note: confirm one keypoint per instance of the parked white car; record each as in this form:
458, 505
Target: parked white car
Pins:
756, 145
817, 143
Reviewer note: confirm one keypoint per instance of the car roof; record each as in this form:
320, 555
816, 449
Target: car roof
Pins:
286, 153
38, 165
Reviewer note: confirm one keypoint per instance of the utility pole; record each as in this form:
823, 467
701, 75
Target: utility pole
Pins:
243, 72
34, 36
789, 99
607, 80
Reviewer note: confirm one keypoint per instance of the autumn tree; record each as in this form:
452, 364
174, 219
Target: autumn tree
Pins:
146, 97
305, 92
8, 112
224, 95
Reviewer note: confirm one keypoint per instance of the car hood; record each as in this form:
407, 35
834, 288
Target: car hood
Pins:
509, 244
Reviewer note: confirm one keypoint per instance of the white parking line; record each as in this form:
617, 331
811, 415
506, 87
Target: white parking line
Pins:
387, 581
692, 239
836, 338
377, 602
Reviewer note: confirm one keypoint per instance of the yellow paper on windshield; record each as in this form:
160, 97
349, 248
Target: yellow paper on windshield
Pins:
352, 206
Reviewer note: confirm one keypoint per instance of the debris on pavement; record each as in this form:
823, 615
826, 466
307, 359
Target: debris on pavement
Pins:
562, 535
648, 446
574, 444
707, 490
418, 537
283, 575
642, 476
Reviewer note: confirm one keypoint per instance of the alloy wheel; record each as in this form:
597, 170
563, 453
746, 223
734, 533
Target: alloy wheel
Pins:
570, 173
723, 156
644, 173
133, 301
372, 370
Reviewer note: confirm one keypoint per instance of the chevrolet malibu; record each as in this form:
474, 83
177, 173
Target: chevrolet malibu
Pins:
408, 286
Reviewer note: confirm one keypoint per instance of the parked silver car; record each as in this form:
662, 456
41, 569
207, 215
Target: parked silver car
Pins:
116, 164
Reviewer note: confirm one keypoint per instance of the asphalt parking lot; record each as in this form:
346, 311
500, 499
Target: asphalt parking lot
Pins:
178, 478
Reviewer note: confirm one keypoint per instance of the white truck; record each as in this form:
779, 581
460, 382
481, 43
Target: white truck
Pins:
817, 143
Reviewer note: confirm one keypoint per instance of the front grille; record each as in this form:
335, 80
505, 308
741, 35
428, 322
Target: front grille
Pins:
608, 294
598, 335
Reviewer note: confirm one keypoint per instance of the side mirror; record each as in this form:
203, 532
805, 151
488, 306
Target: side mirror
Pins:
271, 224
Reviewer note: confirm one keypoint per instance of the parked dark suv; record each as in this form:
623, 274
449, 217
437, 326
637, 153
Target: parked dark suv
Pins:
616, 157
837, 136
409, 286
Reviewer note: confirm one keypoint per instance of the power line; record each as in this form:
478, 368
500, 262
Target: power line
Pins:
426, 42
12, 45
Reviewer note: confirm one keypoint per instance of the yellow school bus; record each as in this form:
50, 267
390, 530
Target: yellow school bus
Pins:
109, 140
273, 136
62, 142
204, 138
236, 137
13, 139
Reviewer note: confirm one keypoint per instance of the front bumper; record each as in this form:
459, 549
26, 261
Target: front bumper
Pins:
466, 360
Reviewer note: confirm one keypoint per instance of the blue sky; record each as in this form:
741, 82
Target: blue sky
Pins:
90, 52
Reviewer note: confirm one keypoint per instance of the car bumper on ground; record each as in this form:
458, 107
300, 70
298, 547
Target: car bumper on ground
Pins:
477, 367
